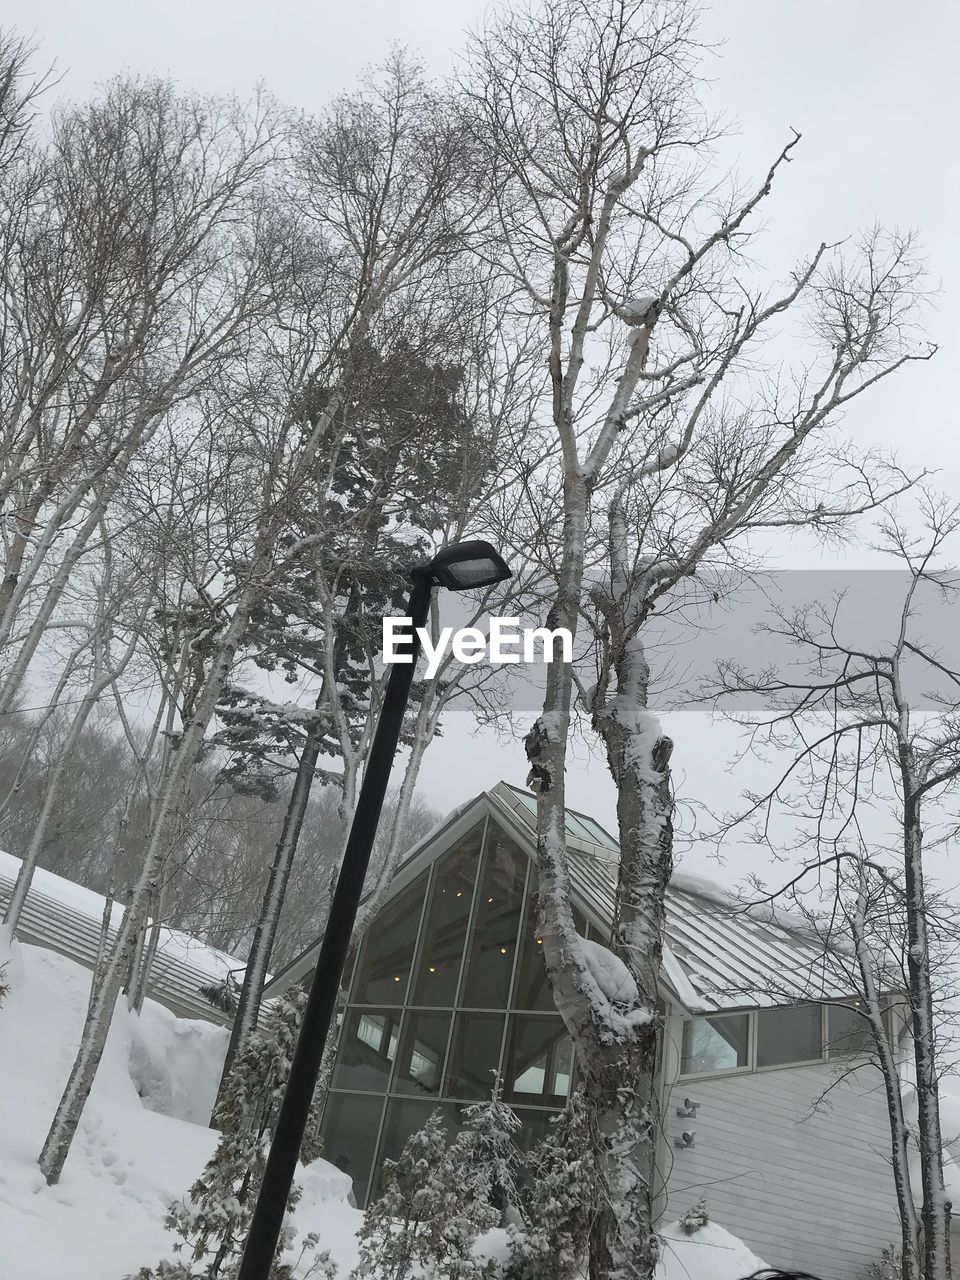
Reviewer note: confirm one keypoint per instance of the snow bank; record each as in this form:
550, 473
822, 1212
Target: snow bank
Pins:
709, 1254
144, 1140
175, 1063
133, 1154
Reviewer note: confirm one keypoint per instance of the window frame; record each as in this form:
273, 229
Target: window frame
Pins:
456, 1009
753, 1014
721, 1071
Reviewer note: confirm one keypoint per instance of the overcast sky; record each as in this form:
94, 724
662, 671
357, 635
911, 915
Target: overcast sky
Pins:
871, 85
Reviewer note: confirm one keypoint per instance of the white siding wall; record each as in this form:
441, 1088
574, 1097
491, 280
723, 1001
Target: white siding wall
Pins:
806, 1188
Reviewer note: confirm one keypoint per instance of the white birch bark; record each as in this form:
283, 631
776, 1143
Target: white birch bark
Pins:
104, 675
70, 1108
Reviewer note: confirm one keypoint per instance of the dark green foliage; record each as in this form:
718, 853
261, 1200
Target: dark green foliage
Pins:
428, 1216
211, 1221
559, 1201
695, 1218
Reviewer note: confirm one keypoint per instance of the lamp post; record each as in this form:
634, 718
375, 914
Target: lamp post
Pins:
462, 566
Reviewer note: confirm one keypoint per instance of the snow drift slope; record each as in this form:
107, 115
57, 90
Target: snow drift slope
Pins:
142, 1142
144, 1139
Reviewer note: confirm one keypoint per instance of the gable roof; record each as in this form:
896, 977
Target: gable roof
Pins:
66, 917
717, 953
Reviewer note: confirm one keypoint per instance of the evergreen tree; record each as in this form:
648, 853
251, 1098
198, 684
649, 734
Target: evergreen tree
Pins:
212, 1220
559, 1201
426, 1216
695, 1218
486, 1155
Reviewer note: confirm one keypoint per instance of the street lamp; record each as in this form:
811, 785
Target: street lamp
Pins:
463, 566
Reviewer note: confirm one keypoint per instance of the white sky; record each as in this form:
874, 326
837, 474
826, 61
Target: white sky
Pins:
871, 85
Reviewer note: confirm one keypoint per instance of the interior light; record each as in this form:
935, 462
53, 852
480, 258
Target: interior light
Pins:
503, 951
539, 942
396, 979
433, 968
489, 899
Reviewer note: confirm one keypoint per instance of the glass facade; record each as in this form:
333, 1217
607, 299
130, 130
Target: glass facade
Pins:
450, 987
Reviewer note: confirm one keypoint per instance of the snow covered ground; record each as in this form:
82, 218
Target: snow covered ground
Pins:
142, 1142
144, 1139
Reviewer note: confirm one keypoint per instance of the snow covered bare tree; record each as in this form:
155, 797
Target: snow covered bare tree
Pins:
398, 454
130, 267
255, 467
873, 722
674, 442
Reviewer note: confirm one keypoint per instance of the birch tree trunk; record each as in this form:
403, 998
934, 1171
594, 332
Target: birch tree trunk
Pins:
638, 754
261, 947
56, 1146
911, 1235
101, 680
935, 1212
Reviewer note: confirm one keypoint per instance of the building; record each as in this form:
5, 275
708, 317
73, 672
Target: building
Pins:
68, 918
770, 1108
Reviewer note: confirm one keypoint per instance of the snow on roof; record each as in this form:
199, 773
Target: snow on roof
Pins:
66, 917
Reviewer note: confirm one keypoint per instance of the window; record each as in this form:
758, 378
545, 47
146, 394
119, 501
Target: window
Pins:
534, 1126
350, 1127
847, 1030
719, 1043
792, 1034
532, 989
475, 1055
423, 1051
445, 928
384, 965
405, 1116
368, 1047
494, 942
539, 1064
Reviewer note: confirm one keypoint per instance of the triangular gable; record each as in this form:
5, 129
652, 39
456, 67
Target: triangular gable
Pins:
716, 956
592, 888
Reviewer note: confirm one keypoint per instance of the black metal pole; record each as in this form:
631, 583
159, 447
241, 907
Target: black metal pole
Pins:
268, 1214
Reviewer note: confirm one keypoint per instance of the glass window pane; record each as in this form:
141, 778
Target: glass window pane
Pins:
493, 946
445, 929
404, 1117
575, 827
387, 955
350, 1127
423, 1051
475, 1055
848, 1030
532, 990
715, 1044
789, 1035
367, 1049
539, 1061
534, 1126
599, 835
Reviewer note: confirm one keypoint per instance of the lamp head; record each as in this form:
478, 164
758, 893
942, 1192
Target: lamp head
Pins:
465, 566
